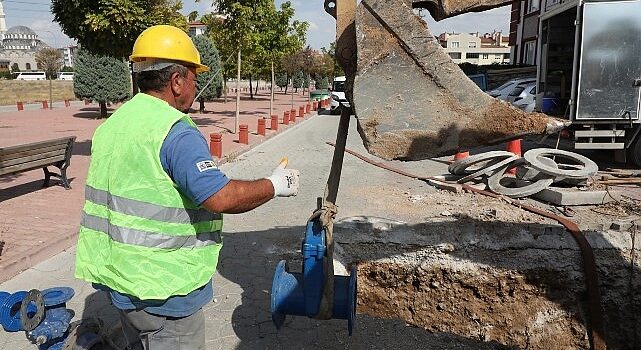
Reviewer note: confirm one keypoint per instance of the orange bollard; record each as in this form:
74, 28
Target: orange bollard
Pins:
514, 146
461, 155
216, 145
261, 127
274, 125
45, 105
243, 134
292, 116
308, 108
301, 112
286, 118
67, 103
20, 106
87, 102
314, 106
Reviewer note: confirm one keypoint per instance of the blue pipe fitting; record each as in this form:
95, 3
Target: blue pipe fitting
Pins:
10, 311
57, 296
300, 294
55, 325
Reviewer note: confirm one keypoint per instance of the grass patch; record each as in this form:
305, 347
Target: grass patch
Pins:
12, 91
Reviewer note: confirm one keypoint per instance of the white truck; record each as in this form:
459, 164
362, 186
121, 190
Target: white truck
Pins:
338, 99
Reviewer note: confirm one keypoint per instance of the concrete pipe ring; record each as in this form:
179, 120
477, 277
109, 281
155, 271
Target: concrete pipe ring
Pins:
460, 167
488, 170
586, 168
494, 183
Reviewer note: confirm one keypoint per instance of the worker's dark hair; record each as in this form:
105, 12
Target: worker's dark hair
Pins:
157, 80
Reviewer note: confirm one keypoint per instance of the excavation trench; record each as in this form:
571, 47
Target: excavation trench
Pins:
516, 283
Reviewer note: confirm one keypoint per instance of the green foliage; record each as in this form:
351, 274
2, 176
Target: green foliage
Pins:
322, 83
49, 60
469, 68
67, 69
6, 75
209, 57
15, 68
102, 79
193, 15
282, 80
298, 80
306, 81
336, 70
110, 27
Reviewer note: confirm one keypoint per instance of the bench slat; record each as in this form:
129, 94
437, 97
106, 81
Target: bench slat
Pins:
35, 145
30, 166
31, 158
22, 154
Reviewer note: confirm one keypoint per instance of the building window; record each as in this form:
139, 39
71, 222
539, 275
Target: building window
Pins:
28, 66
532, 6
455, 55
471, 45
454, 44
472, 55
486, 56
506, 56
528, 52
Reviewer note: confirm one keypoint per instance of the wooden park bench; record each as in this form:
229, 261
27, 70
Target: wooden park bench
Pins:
21, 158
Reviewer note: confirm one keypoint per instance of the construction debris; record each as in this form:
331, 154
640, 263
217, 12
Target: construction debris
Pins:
537, 171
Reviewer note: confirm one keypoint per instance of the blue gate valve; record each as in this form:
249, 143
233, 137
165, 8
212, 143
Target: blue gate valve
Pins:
300, 294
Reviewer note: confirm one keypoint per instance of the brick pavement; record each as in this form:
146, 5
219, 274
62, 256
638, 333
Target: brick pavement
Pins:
37, 223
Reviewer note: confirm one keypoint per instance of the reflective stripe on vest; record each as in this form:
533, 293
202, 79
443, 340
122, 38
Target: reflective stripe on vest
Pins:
148, 211
149, 239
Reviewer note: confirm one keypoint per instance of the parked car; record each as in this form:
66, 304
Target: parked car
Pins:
31, 76
65, 76
502, 92
338, 95
526, 100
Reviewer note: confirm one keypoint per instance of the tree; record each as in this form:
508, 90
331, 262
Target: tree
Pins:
298, 81
193, 15
49, 60
102, 79
209, 57
331, 52
282, 81
110, 27
322, 82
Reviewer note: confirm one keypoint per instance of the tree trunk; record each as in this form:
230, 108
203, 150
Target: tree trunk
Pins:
251, 92
238, 95
271, 99
103, 110
225, 87
202, 105
256, 90
50, 93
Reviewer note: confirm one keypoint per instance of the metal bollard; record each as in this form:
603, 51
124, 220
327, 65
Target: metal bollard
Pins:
243, 134
216, 145
261, 127
274, 125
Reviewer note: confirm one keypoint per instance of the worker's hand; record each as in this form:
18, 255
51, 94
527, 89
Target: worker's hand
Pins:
285, 181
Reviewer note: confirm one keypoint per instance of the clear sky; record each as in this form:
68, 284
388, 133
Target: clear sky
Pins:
36, 15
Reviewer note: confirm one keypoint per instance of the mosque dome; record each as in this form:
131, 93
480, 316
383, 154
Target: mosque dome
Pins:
21, 30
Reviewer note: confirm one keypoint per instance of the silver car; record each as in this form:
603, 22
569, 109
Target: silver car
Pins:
502, 92
526, 99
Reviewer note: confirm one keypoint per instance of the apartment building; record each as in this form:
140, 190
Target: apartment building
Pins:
68, 55
485, 49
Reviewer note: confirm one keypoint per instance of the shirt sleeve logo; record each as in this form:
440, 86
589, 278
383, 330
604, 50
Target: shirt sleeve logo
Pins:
206, 165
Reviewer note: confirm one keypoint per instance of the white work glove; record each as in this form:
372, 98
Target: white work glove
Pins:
285, 181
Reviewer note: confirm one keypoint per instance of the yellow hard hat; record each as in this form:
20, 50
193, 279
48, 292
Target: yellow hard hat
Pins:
164, 42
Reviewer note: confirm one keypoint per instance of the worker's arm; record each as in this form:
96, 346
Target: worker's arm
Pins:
242, 196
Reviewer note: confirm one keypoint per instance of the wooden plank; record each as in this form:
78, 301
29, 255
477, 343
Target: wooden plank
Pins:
40, 144
32, 158
31, 152
30, 166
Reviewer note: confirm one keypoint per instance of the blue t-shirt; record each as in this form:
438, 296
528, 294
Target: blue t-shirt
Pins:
182, 155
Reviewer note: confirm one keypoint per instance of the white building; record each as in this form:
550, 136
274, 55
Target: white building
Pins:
197, 28
18, 45
485, 49
68, 55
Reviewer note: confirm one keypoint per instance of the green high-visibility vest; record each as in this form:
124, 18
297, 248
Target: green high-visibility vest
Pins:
139, 234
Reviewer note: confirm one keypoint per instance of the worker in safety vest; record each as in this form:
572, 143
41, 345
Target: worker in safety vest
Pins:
152, 222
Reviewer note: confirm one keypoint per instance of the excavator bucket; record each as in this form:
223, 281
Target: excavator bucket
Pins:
411, 101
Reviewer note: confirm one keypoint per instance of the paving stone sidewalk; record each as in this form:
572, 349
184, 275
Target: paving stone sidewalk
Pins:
37, 223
